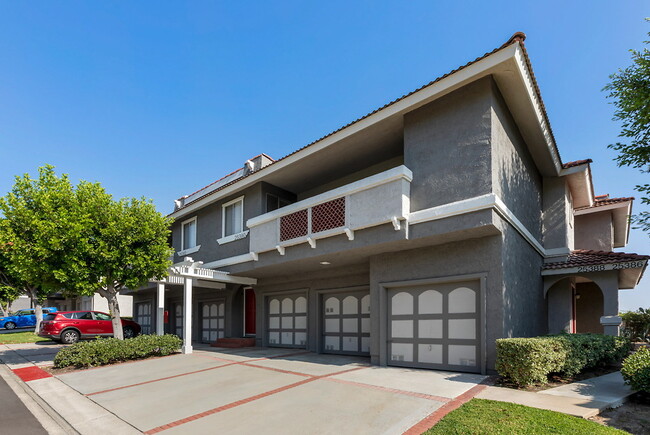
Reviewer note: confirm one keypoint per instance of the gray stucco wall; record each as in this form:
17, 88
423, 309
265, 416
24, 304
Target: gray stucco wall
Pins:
516, 179
594, 231
447, 146
524, 306
468, 257
560, 307
209, 227
556, 216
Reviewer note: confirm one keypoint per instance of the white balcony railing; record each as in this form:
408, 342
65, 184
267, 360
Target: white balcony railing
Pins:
375, 200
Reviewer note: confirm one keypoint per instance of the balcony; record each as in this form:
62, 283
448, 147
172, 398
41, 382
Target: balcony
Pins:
375, 200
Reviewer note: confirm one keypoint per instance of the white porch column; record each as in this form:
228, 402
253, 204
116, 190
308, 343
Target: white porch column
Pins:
160, 313
187, 316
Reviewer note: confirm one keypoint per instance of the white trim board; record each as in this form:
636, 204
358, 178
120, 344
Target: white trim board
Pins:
483, 202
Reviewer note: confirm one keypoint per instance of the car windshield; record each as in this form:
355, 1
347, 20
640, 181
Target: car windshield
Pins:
49, 317
102, 316
23, 313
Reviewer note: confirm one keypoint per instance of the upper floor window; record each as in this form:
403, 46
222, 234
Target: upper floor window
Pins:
274, 202
188, 236
233, 217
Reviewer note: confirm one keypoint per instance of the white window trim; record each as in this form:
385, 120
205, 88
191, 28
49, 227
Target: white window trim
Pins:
188, 251
193, 248
223, 218
233, 237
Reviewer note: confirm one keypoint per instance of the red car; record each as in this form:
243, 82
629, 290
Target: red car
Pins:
71, 326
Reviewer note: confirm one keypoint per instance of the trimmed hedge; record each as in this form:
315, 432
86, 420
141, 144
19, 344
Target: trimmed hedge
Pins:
527, 361
111, 350
636, 370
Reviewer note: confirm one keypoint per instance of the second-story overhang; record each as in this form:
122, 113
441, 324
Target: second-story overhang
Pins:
578, 176
621, 210
378, 133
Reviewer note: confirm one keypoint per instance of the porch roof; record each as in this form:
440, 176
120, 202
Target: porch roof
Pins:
189, 268
630, 266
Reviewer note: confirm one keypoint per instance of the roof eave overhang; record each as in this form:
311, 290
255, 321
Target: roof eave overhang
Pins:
508, 66
581, 185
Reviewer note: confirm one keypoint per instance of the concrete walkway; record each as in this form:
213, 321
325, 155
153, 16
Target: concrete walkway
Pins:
253, 390
580, 399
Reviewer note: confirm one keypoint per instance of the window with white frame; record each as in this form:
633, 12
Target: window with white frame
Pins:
188, 236
233, 217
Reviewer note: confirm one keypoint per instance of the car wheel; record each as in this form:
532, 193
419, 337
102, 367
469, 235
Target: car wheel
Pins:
10, 325
128, 332
70, 336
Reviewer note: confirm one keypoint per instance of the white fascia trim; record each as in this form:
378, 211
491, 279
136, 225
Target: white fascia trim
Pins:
483, 202
452, 209
527, 78
396, 173
188, 251
244, 258
232, 237
417, 99
626, 204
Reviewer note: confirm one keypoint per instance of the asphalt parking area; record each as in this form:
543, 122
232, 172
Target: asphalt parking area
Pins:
269, 391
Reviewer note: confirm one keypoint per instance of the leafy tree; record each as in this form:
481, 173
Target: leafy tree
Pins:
122, 245
9, 292
81, 241
630, 90
34, 232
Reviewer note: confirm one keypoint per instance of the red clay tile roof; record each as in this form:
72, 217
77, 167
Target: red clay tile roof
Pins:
517, 37
603, 200
608, 200
582, 257
568, 165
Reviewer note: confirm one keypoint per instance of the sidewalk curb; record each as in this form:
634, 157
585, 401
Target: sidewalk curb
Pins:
51, 420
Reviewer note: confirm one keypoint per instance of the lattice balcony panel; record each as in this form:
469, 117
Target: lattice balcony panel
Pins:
293, 225
328, 215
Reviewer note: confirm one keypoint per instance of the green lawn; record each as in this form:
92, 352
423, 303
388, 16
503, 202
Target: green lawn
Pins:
480, 416
21, 337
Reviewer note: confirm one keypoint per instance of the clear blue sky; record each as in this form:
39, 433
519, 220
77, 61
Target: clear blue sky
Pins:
157, 99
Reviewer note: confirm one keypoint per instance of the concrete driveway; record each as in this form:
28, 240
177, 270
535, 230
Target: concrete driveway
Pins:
267, 391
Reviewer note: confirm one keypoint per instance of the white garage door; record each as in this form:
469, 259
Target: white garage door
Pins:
346, 323
213, 321
287, 320
435, 326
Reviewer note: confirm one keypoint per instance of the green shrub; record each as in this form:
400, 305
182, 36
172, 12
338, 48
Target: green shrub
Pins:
636, 325
111, 350
527, 361
636, 370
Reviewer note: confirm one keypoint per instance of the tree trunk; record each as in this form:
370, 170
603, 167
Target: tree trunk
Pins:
38, 308
5, 311
111, 296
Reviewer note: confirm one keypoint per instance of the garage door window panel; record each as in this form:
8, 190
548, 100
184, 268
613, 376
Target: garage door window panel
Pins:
441, 330
287, 321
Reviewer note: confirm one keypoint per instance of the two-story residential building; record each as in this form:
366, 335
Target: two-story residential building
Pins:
416, 235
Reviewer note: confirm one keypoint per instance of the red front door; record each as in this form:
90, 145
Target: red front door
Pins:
249, 311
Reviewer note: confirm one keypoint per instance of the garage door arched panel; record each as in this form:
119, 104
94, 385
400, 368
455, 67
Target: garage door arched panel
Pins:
434, 326
213, 320
345, 327
287, 320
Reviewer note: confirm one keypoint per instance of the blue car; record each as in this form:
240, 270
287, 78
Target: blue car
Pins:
22, 318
